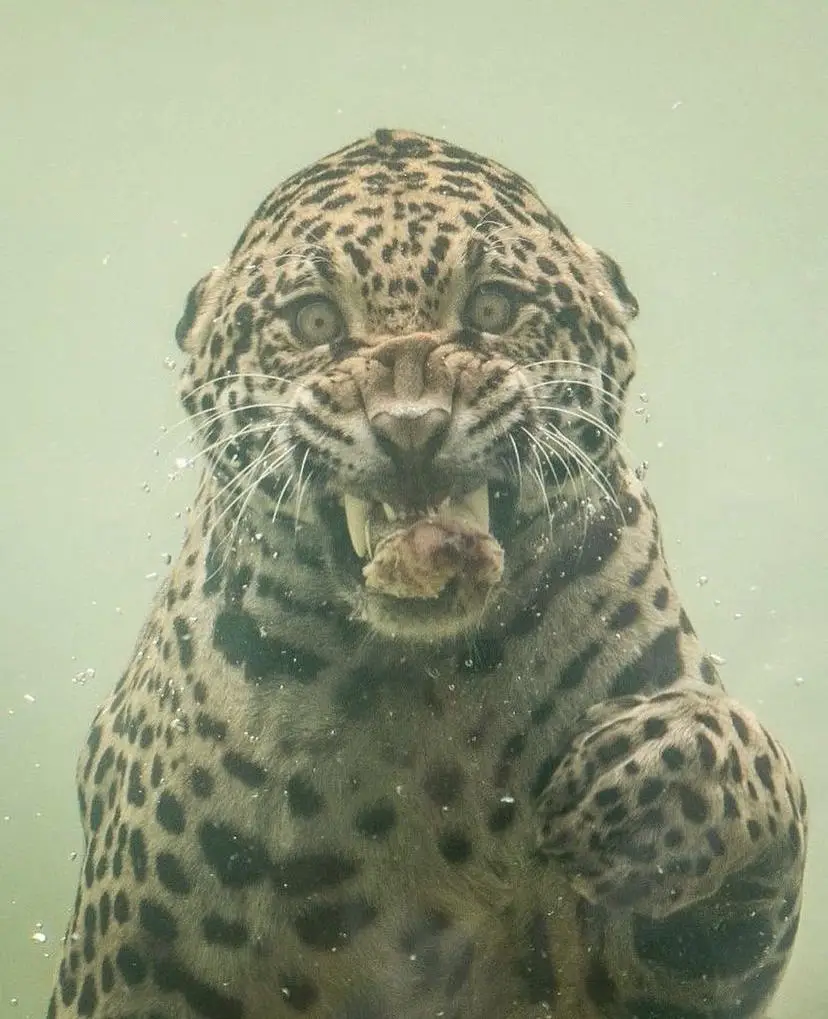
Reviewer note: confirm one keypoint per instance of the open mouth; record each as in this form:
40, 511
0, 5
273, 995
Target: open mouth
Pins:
445, 552
369, 523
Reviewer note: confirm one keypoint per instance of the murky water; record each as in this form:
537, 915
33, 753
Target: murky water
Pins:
685, 138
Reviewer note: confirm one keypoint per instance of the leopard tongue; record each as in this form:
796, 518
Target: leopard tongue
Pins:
470, 511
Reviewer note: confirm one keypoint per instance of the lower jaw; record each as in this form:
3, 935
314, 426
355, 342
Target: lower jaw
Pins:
424, 621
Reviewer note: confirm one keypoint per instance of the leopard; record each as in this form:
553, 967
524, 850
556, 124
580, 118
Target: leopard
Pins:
417, 725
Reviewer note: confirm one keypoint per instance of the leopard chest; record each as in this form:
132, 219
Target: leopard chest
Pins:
391, 843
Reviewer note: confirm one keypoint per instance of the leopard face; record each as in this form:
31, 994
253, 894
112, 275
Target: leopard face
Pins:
406, 346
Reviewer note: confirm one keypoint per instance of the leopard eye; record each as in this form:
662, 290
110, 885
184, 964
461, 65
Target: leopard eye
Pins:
490, 309
317, 321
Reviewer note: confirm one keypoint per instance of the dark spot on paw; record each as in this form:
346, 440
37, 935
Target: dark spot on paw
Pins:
651, 789
701, 943
610, 753
764, 770
741, 727
707, 752
694, 807
654, 728
709, 721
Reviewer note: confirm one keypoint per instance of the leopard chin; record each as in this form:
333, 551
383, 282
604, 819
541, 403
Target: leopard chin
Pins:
456, 611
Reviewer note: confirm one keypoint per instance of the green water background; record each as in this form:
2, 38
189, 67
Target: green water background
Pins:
686, 137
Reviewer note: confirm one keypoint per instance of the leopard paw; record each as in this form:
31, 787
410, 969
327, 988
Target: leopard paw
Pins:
660, 800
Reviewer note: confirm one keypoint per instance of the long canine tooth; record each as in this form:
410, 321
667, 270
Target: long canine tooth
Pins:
356, 519
390, 514
477, 503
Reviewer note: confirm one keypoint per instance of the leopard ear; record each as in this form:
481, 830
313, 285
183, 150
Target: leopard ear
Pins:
612, 270
199, 312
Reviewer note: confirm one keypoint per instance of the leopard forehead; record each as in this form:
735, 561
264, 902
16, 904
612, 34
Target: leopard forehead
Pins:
398, 203
394, 225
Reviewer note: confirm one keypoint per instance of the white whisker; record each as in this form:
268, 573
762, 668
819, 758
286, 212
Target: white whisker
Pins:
516, 453
299, 488
588, 466
537, 474
572, 385
243, 497
231, 376
579, 414
281, 496
259, 428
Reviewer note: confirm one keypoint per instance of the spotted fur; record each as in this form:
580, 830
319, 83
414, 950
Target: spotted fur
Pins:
307, 798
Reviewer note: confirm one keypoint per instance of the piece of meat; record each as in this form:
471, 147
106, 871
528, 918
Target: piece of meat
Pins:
420, 560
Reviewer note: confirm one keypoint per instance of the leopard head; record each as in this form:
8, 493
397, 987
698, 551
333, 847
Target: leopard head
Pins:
409, 356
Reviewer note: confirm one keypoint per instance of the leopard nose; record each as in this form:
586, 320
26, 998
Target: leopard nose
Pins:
407, 391
410, 430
